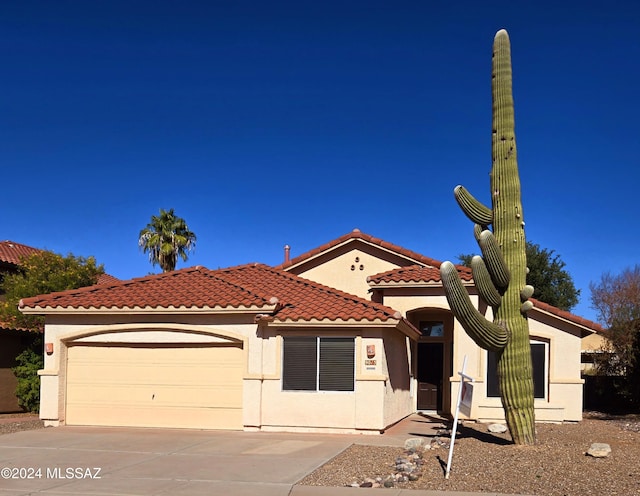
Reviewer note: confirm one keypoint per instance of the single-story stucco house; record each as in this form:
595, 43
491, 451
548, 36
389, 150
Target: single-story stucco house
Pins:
349, 337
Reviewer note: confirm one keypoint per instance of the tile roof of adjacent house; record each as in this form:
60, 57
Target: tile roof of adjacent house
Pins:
357, 235
12, 253
254, 287
107, 279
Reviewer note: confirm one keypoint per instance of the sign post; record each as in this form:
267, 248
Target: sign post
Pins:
465, 394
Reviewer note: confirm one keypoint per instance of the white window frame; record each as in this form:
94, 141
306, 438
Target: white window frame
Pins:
546, 365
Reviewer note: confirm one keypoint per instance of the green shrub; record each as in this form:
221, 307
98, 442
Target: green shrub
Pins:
28, 390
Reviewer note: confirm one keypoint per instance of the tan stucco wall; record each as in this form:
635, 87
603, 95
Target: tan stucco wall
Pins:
564, 398
127, 329
348, 271
377, 401
594, 342
398, 400
381, 396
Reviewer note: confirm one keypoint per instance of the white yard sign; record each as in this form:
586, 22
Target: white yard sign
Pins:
465, 396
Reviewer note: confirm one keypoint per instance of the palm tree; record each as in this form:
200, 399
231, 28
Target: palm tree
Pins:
165, 238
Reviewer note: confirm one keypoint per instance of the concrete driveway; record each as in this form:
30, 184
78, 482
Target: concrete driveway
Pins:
125, 461
110, 461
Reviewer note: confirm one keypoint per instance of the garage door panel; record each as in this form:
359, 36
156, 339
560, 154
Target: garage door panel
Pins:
145, 396
196, 387
115, 373
184, 417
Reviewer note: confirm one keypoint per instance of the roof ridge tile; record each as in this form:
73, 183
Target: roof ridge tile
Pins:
357, 234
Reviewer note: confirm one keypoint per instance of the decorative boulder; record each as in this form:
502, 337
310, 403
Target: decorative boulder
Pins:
497, 428
599, 450
414, 443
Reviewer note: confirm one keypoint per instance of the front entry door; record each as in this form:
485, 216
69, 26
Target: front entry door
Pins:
430, 361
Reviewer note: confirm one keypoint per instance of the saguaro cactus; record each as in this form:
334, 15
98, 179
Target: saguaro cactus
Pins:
500, 274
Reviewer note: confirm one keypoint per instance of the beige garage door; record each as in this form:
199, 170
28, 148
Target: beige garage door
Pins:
185, 387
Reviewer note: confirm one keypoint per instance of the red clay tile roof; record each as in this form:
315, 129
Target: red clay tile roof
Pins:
567, 315
11, 252
356, 234
426, 270
416, 274
107, 279
251, 286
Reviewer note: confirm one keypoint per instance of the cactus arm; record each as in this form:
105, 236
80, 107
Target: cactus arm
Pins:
477, 231
485, 333
483, 282
496, 264
472, 208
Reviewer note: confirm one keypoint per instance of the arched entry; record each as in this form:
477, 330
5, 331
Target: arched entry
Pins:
433, 359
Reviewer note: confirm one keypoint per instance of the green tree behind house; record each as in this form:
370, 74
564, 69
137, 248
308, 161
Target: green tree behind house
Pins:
40, 273
547, 274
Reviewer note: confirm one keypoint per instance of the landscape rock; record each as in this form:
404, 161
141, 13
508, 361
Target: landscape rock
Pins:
414, 443
497, 428
599, 450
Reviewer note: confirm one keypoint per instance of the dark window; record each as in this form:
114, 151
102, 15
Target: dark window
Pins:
299, 371
318, 364
432, 328
539, 362
538, 357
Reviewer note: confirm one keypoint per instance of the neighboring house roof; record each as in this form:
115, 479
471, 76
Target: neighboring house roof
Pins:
357, 235
11, 255
107, 279
11, 252
278, 295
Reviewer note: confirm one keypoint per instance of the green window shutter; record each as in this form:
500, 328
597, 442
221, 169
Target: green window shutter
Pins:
337, 359
299, 364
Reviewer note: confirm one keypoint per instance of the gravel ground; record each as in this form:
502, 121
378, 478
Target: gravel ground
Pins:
484, 462
15, 422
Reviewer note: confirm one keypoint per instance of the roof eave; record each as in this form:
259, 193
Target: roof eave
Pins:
585, 331
411, 284
334, 323
310, 258
146, 310
401, 324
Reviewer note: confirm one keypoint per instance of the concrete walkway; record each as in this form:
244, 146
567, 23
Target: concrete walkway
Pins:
134, 462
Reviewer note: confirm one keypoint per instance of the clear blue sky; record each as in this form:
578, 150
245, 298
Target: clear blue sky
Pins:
265, 123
